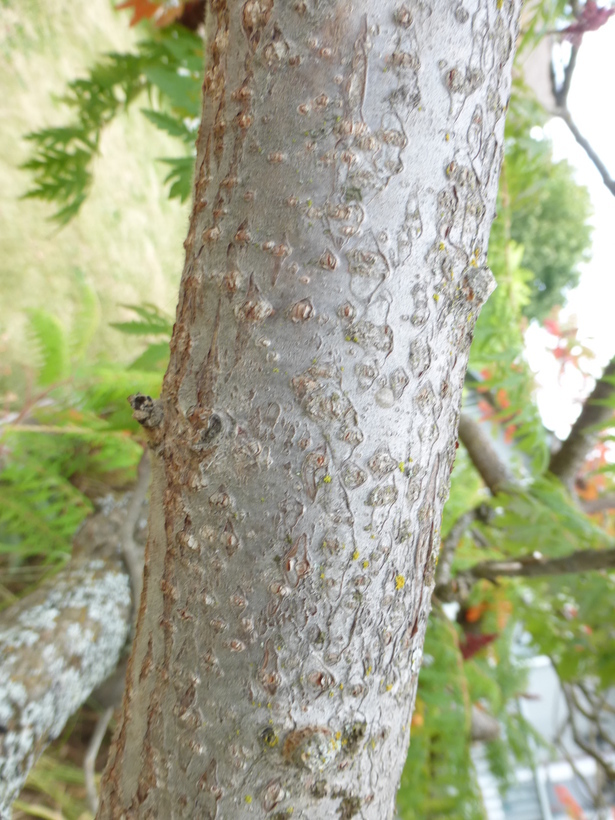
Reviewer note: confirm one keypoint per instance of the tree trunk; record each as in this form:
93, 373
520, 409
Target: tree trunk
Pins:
346, 177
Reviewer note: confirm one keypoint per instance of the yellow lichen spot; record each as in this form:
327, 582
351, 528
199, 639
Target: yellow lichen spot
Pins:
338, 735
368, 671
348, 339
276, 369
327, 479
473, 262
248, 798
441, 246
322, 575
436, 297
401, 466
447, 137
389, 687
341, 685
400, 582
365, 564
355, 555
269, 706
331, 694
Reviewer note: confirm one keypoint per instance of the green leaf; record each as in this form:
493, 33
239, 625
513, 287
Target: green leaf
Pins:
154, 359
181, 173
52, 346
87, 318
174, 126
181, 88
154, 321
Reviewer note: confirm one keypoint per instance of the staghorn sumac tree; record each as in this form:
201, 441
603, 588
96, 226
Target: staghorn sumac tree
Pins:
346, 175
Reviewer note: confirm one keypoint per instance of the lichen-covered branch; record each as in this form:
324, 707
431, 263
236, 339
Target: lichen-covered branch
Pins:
56, 646
567, 461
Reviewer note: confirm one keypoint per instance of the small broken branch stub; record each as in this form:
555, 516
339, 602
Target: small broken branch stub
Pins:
147, 411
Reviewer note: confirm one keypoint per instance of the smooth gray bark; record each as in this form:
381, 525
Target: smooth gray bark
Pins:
346, 179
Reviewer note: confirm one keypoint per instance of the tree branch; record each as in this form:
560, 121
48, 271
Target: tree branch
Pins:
567, 461
603, 503
561, 98
561, 94
565, 115
489, 465
449, 545
133, 554
536, 565
496, 476
588, 748
60, 643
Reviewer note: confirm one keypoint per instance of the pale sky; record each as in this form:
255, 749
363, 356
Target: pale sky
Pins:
592, 104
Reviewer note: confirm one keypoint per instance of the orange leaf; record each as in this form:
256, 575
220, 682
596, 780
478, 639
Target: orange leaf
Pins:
475, 613
141, 10
502, 398
161, 13
486, 410
509, 433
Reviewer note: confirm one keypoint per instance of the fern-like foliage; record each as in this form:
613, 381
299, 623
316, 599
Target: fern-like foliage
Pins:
438, 779
168, 65
76, 438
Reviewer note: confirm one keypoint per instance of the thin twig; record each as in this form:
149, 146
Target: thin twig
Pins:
586, 146
588, 748
449, 546
561, 98
132, 554
89, 762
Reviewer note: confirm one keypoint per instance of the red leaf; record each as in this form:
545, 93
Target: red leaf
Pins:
591, 18
474, 643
